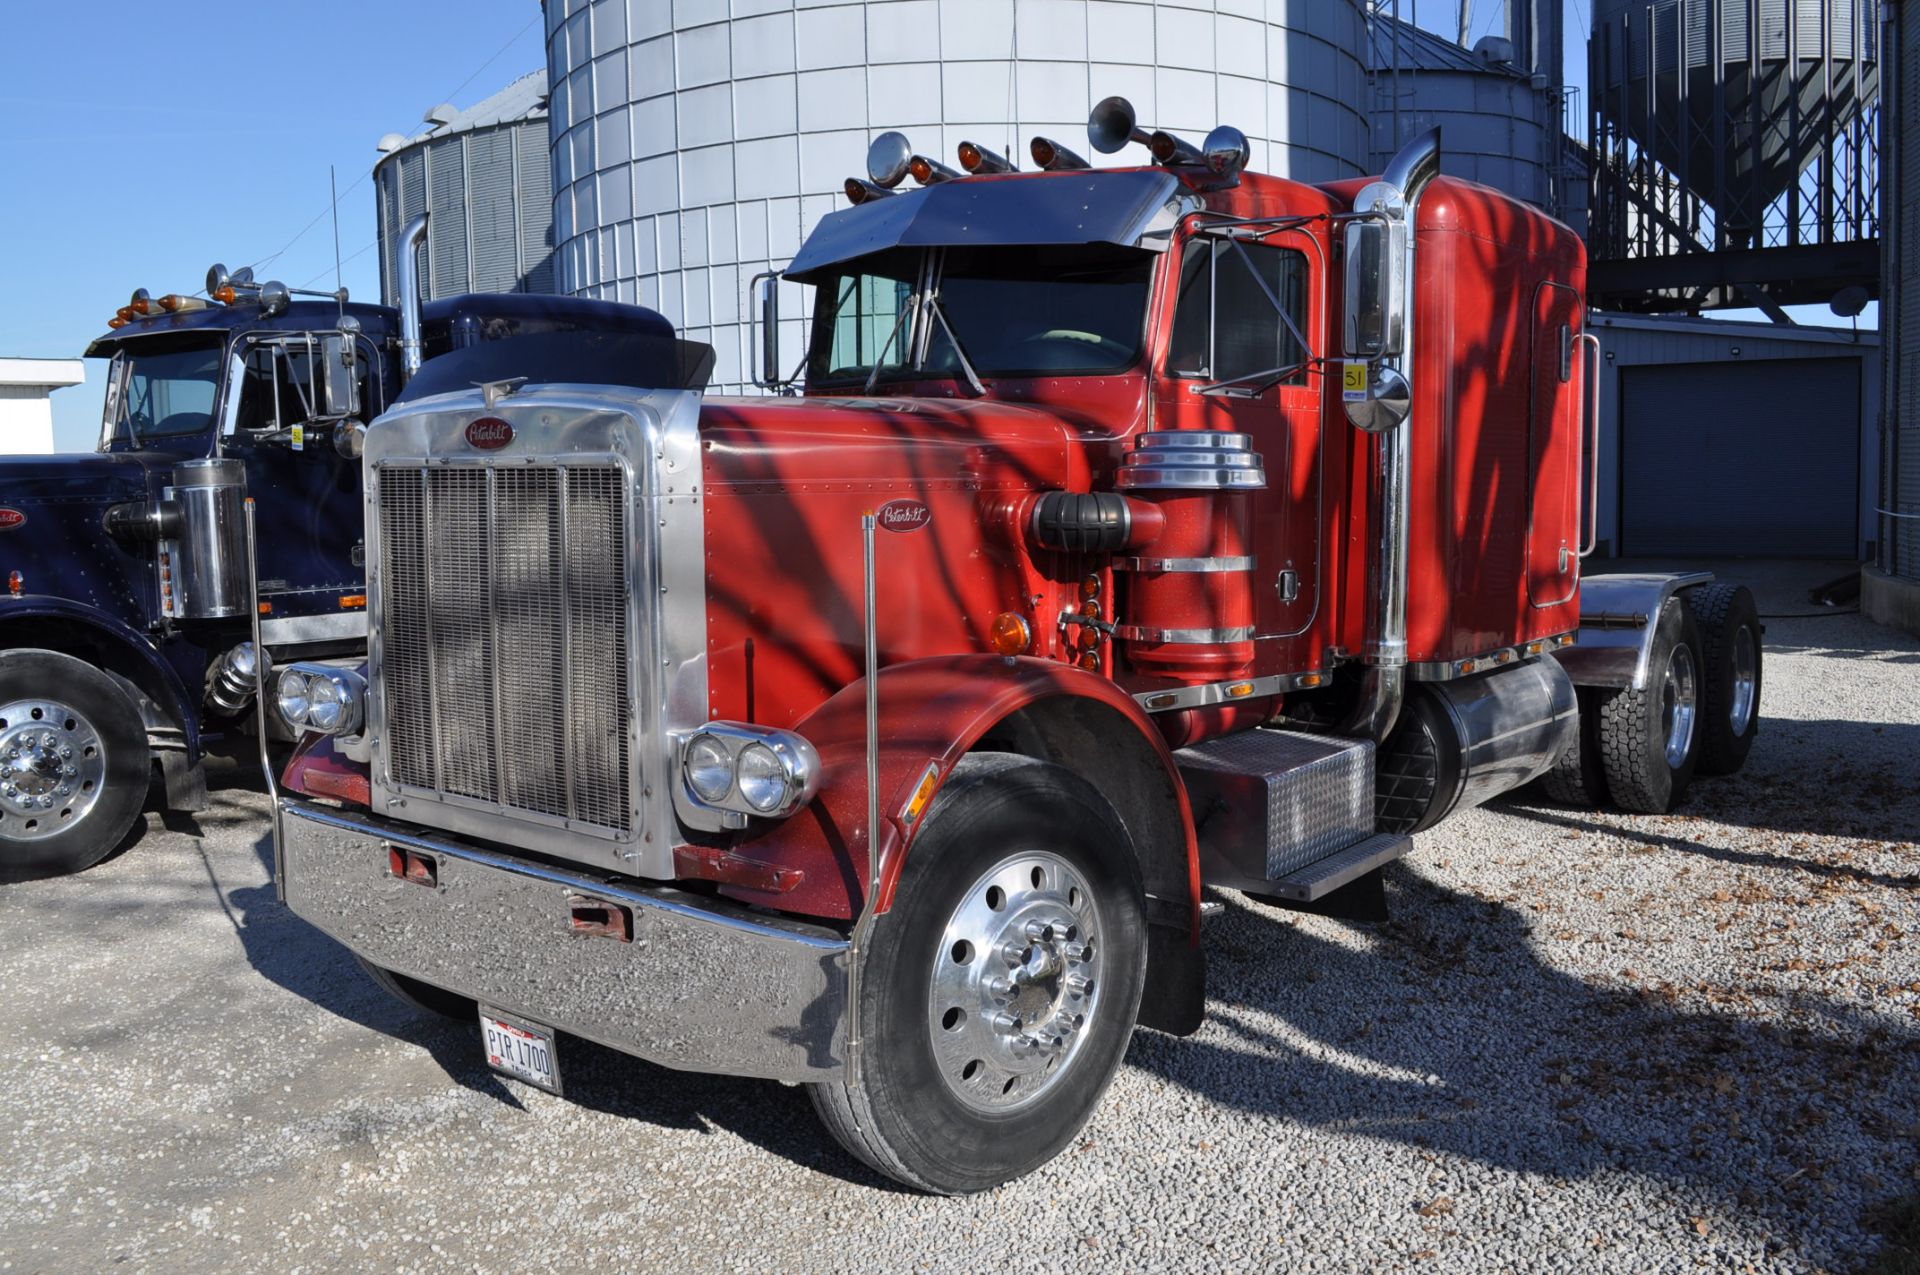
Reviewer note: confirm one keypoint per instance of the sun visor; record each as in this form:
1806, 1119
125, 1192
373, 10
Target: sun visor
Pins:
1131, 208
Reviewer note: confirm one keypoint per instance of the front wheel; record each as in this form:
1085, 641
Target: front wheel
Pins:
999, 993
74, 765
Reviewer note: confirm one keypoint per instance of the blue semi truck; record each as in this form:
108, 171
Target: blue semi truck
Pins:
125, 634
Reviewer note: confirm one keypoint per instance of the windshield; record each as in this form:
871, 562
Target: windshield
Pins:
1013, 311
163, 393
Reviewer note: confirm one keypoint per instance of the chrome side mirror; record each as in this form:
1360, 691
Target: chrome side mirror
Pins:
339, 386
1376, 293
766, 303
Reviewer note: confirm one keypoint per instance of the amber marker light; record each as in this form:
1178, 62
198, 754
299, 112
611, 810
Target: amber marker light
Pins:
116, 322
143, 302
1090, 587
16, 583
353, 601
266, 608
1009, 634
922, 793
124, 314
1239, 690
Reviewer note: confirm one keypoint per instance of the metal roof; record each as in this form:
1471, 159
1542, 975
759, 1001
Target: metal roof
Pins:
524, 99
1422, 50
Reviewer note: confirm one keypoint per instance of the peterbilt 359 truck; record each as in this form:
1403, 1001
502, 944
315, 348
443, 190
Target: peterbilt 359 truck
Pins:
1137, 530
125, 638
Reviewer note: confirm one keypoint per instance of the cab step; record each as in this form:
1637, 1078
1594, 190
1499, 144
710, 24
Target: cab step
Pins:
1317, 880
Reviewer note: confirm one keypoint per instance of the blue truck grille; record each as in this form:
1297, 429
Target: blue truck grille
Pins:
501, 607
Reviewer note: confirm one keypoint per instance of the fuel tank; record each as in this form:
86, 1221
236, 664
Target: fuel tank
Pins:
1459, 743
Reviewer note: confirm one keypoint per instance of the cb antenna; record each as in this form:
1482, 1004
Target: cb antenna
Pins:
339, 288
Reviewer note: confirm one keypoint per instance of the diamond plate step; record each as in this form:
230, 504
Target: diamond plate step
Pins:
1269, 803
1317, 880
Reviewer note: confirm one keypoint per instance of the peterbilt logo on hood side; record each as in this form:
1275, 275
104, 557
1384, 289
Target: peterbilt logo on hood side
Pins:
490, 433
11, 518
905, 515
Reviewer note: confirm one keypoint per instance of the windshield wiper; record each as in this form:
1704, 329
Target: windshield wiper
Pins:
953, 338
880, 355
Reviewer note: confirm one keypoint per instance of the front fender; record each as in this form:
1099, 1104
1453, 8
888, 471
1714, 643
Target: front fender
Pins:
38, 620
932, 712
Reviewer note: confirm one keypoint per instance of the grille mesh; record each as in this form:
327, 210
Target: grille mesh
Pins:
504, 636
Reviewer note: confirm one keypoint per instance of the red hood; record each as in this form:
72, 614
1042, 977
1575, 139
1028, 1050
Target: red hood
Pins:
888, 440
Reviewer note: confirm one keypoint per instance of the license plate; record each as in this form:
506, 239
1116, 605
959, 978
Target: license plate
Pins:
521, 1050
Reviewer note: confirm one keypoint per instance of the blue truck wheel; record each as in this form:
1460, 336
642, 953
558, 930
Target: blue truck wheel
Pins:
74, 764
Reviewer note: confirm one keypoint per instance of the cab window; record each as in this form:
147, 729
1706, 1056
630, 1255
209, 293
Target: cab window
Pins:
277, 386
1241, 311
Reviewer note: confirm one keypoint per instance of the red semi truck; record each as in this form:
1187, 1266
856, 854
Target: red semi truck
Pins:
1137, 530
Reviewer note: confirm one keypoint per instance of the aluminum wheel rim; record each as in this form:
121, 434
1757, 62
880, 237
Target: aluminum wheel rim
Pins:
53, 768
1746, 680
1016, 981
1678, 695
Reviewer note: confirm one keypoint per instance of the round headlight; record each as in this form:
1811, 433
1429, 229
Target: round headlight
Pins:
293, 698
709, 769
326, 704
762, 777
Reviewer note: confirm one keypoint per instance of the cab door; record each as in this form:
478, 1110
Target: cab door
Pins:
1553, 448
1240, 358
307, 510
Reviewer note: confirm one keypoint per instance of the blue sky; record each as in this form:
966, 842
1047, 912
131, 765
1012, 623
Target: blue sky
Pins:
144, 141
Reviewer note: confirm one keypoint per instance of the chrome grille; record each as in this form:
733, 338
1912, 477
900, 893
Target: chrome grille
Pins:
502, 605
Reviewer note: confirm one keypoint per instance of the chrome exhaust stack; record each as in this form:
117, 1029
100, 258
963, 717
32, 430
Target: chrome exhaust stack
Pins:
1394, 202
408, 279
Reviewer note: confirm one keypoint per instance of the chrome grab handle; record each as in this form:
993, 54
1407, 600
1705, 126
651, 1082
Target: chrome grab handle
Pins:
1590, 432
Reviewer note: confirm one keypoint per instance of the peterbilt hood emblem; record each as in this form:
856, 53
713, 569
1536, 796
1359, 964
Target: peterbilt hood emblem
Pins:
905, 515
490, 433
11, 519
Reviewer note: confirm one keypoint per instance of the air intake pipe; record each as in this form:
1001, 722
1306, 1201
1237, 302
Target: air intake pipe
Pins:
409, 287
1396, 194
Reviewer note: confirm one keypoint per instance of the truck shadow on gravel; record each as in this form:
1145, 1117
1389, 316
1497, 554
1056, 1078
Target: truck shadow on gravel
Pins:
299, 958
1443, 1030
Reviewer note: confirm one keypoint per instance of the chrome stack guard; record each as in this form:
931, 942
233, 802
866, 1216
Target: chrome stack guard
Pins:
697, 984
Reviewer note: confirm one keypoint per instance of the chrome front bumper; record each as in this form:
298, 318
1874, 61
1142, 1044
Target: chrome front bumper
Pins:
701, 986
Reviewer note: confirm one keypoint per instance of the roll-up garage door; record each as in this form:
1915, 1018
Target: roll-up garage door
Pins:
1758, 457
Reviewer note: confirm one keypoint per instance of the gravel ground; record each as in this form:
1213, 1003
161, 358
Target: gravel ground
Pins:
1585, 1042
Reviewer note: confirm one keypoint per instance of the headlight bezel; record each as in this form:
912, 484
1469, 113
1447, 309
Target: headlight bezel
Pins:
798, 768
344, 687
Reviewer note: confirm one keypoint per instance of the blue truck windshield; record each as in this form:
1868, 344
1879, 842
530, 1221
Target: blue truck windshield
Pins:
165, 393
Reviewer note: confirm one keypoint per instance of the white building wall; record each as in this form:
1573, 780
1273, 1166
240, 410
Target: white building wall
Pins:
26, 409
695, 142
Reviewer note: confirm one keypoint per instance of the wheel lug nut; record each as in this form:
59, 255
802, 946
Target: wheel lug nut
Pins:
1077, 951
1078, 984
999, 987
1039, 931
1004, 1023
